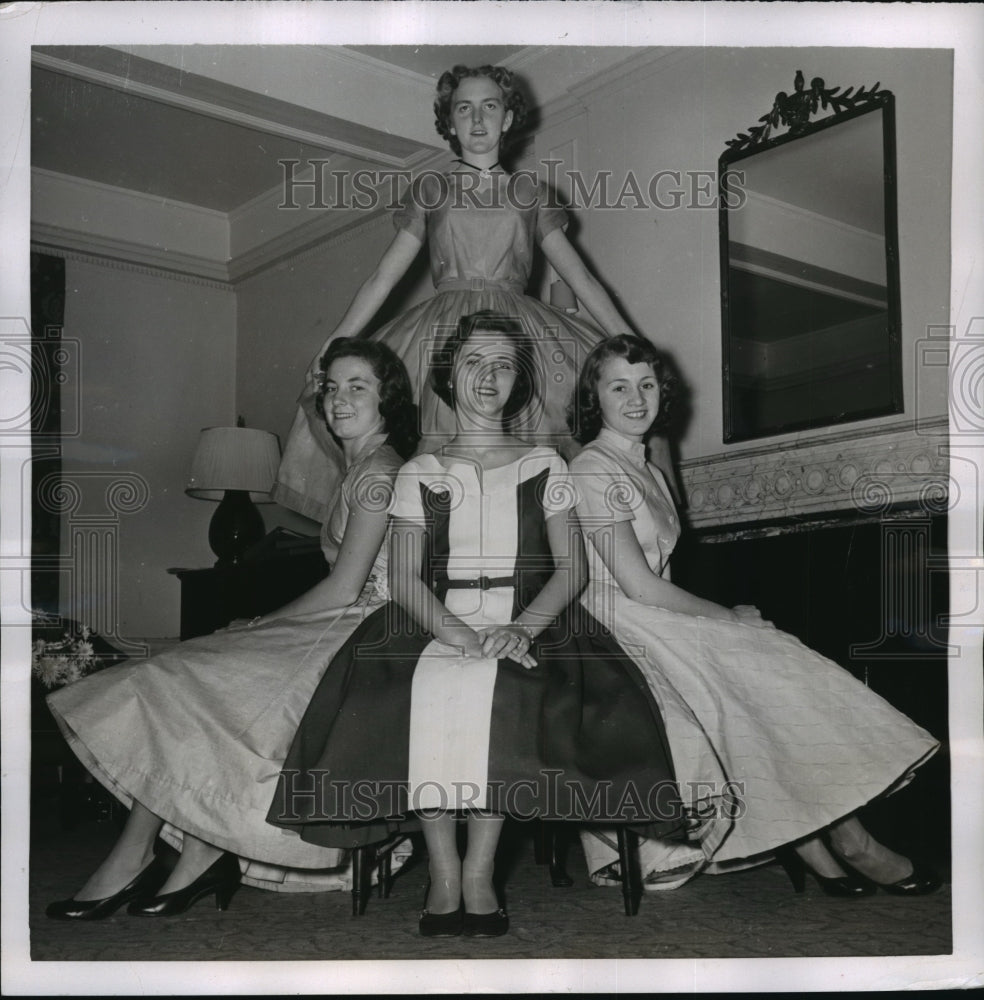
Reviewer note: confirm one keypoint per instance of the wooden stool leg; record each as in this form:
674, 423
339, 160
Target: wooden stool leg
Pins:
628, 859
362, 859
557, 856
385, 874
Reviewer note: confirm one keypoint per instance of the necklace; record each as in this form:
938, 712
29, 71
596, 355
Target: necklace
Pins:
482, 171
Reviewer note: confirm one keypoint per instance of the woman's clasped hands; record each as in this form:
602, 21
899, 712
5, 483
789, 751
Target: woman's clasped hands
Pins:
501, 642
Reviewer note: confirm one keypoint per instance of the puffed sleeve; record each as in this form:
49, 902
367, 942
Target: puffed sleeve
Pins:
550, 214
407, 504
369, 487
423, 193
559, 494
606, 493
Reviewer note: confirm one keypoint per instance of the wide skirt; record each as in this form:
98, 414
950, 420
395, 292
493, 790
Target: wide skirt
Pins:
772, 741
305, 481
199, 733
577, 737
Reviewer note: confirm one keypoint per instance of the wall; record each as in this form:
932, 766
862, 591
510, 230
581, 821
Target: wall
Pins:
288, 311
157, 357
676, 114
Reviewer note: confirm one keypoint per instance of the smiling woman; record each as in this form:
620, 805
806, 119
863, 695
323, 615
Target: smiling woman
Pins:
481, 224
482, 688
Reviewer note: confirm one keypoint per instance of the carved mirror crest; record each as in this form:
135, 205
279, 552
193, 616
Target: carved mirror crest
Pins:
809, 264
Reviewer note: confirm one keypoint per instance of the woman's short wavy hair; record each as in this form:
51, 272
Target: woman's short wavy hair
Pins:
584, 412
396, 405
512, 97
524, 391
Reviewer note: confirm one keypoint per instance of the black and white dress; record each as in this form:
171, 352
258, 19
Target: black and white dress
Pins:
402, 722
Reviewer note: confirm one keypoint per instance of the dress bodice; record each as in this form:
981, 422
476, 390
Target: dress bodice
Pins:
615, 483
367, 484
479, 229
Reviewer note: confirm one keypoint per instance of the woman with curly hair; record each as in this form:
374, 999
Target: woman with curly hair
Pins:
484, 689
481, 224
193, 740
774, 745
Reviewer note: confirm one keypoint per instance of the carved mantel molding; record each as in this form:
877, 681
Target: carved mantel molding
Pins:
868, 473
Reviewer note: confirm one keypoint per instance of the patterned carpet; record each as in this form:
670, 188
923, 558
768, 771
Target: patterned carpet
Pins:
747, 914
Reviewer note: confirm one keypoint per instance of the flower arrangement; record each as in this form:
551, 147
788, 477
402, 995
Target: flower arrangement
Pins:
62, 661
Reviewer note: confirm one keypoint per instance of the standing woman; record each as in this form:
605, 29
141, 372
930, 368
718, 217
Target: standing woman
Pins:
482, 691
481, 224
195, 738
774, 744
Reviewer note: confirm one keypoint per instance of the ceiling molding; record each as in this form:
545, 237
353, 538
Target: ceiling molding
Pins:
214, 99
122, 255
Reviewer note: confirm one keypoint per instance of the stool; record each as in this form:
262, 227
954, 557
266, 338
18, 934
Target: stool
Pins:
550, 848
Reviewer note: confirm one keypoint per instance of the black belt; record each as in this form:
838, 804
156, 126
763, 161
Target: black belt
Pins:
482, 583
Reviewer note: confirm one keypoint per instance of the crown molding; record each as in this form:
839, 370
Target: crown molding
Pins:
123, 255
121, 70
865, 471
325, 226
72, 182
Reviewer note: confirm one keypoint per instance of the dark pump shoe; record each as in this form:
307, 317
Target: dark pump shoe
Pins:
440, 924
221, 878
143, 886
921, 882
842, 886
486, 924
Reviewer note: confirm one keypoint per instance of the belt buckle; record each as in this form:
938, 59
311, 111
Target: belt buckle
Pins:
478, 284
484, 583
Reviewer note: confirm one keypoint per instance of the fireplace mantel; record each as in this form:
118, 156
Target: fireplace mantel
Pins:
866, 473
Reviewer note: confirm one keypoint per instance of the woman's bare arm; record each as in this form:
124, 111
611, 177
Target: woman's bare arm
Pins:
373, 291
407, 542
364, 533
619, 549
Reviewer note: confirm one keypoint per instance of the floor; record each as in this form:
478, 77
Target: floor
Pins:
746, 914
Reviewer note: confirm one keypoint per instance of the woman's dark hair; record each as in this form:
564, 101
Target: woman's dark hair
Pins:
524, 390
584, 412
512, 97
396, 405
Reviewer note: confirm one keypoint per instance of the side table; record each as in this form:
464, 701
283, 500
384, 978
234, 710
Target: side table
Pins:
213, 597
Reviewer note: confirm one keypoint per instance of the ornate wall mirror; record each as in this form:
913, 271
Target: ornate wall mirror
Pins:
809, 264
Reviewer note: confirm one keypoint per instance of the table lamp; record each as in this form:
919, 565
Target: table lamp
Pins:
236, 466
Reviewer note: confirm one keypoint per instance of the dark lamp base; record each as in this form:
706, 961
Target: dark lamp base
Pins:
235, 526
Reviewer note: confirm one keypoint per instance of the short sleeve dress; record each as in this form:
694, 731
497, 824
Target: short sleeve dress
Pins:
198, 734
481, 234
402, 722
771, 741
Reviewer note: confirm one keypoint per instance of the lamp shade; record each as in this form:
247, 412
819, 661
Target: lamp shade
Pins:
234, 458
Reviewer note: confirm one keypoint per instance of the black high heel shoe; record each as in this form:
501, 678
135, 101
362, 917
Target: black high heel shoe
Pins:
921, 882
145, 884
842, 886
221, 878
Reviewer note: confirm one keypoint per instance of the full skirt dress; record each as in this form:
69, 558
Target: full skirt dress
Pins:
481, 258
771, 741
403, 722
198, 734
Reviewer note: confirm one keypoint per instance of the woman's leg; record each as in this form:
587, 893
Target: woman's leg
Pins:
476, 872
440, 835
132, 852
196, 856
815, 855
865, 854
